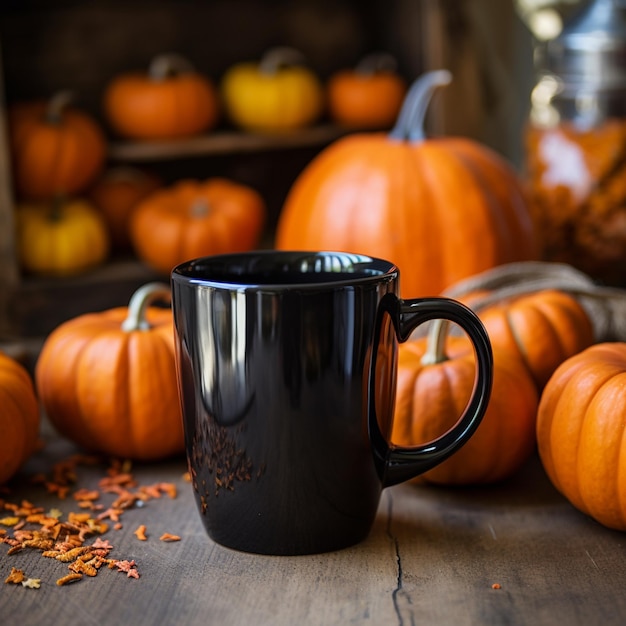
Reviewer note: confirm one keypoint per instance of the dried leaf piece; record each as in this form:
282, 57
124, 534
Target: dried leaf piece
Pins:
86, 494
128, 567
69, 578
16, 576
80, 567
101, 544
169, 537
9, 521
140, 533
71, 555
169, 489
32, 583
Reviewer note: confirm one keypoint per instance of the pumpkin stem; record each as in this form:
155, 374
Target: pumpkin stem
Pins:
55, 214
56, 105
436, 343
139, 303
165, 66
376, 62
200, 207
410, 123
282, 56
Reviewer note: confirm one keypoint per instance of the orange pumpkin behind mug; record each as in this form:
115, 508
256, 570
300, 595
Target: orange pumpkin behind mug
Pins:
368, 96
196, 218
440, 208
170, 100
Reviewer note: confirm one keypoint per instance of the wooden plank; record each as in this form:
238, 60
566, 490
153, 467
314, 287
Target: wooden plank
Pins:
432, 558
224, 142
41, 304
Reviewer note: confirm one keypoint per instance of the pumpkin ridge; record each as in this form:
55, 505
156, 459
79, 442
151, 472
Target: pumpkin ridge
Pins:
458, 218
594, 500
16, 401
495, 219
505, 189
621, 475
47, 384
585, 414
433, 223
519, 342
150, 349
103, 359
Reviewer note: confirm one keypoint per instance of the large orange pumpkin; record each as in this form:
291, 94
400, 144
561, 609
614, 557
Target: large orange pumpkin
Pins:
170, 100
108, 381
192, 219
56, 150
441, 208
19, 417
435, 380
368, 96
581, 429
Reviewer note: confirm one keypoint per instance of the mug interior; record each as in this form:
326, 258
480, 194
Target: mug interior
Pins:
274, 267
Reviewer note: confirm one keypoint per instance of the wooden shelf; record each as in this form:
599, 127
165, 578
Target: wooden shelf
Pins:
39, 304
225, 142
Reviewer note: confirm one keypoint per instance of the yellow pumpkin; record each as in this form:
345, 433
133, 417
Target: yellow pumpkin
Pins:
60, 238
277, 93
19, 416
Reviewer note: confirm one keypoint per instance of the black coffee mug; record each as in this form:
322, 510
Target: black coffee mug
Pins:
287, 371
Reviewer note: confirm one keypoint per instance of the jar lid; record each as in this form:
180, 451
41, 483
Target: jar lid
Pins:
591, 49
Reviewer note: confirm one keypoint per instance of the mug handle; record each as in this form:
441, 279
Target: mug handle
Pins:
398, 464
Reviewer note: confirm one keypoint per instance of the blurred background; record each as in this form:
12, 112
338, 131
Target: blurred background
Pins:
49, 45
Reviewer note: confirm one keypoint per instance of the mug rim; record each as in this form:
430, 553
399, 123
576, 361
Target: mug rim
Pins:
188, 272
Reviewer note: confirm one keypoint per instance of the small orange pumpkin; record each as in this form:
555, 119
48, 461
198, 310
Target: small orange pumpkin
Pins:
442, 209
543, 329
192, 219
56, 150
19, 417
368, 96
116, 194
435, 380
107, 380
581, 431
171, 100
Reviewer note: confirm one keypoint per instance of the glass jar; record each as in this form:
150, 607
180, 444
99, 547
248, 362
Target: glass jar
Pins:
575, 143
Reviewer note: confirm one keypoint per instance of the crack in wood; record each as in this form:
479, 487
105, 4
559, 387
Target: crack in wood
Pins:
401, 599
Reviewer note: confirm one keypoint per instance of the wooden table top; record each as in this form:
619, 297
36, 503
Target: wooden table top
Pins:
433, 557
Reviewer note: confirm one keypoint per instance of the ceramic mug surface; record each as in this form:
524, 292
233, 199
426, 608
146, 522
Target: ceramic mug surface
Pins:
287, 371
